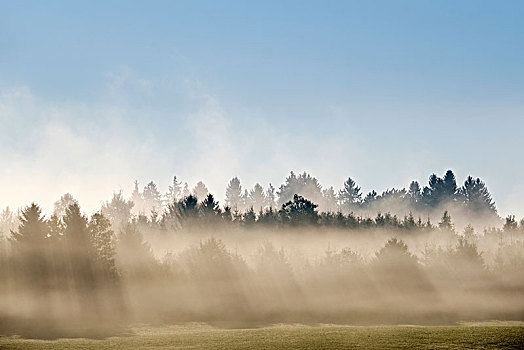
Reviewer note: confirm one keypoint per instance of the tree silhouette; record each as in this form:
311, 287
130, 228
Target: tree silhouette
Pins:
8, 222
134, 256
329, 203
62, 204
210, 208
414, 193
118, 210
31, 263
445, 223
350, 196
271, 197
152, 198
103, 241
369, 199
30, 245
257, 198
234, 194
299, 211
200, 191
174, 192
477, 197
249, 217
440, 190
449, 187
303, 184
138, 200
188, 210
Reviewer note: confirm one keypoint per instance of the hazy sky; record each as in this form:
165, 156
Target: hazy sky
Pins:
95, 95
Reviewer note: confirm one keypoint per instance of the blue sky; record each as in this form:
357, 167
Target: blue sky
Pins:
95, 95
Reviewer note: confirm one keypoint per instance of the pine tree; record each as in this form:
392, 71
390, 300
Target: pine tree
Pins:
185, 191
63, 203
329, 203
299, 211
209, 207
414, 193
249, 217
445, 223
449, 186
257, 198
32, 231
152, 198
271, 197
31, 264
174, 192
304, 185
350, 196
8, 222
118, 210
138, 200
234, 194
102, 239
80, 253
476, 196
200, 191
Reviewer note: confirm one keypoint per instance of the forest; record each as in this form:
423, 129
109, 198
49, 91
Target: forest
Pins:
301, 253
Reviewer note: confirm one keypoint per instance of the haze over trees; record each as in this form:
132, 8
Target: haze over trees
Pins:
302, 253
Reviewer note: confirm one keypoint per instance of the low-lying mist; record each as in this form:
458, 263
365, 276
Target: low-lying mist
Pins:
73, 275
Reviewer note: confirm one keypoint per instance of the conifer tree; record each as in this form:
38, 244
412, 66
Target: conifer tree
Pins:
234, 194
200, 191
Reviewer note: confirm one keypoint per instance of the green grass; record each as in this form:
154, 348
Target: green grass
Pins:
195, 336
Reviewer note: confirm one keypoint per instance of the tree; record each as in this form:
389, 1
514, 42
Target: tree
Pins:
369, 199
445, 223
299, 211
304, 185
257, 198
329, 200
32, 230
414, 192
467, 259
63, 203
476, 196
138, 200
185, 191
152, 198
134, 256
510, 224
270, 197
8, 222
200, 191
350, 196
32, 267
188, 209
118, 210
174, 192
80, 250
449, 187
249, 217
440, 190
209, 207
103, 241
395, 252
234, 194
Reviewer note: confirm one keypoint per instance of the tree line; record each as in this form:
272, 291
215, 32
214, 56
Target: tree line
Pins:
302, 200
69, 266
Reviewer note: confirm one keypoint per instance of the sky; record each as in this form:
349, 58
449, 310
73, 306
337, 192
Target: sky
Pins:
97, 94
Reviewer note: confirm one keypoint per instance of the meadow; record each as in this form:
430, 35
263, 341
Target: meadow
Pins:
486, 335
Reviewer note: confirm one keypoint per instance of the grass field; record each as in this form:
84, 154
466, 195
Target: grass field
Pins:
195, 336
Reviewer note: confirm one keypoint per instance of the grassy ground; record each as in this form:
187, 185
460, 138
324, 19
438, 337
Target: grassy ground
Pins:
194, 336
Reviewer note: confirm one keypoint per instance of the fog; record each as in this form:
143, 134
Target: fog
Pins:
291, 261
